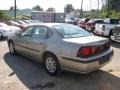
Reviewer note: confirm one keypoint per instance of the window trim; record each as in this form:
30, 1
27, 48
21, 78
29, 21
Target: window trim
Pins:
26, 29
38, 37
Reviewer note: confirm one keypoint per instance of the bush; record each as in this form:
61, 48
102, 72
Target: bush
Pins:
4, 16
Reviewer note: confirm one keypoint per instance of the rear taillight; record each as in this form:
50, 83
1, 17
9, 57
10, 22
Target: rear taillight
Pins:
103, 27
86, 51
108, 45
93, 51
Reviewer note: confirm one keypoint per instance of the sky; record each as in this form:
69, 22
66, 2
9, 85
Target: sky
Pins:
57, 4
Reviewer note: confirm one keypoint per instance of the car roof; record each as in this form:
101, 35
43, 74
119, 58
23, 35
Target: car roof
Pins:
47, 24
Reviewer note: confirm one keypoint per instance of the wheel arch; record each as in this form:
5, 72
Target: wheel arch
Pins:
110, 32
48, 52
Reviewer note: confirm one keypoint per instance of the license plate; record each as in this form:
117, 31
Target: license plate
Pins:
104, 59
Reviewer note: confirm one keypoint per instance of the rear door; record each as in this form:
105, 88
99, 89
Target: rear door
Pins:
36, 43
21, 42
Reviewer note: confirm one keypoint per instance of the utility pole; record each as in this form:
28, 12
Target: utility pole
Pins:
81, 8
15, 10
98, 10
108, 8
90, 4
90, 9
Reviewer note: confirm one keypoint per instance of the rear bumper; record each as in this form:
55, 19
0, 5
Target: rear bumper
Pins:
82, 26
101, 33
89, 28
86, 66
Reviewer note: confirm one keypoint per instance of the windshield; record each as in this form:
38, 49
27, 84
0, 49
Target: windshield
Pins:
71, 31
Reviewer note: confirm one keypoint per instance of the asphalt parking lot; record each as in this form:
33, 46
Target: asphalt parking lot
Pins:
19, 73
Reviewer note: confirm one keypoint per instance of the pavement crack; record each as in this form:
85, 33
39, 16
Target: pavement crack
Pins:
11, 74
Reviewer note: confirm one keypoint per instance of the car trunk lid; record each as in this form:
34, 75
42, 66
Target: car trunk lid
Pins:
88, 40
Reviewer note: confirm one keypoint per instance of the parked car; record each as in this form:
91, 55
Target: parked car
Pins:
16, 23
106, 28
115, 36
83, 22
91, 24
69, 20
62, 46
7, 26
37, 21
5, 32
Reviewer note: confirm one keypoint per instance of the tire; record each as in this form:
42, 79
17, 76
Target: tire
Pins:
11, 48
1, 35
92, 30
111, 34
51, 64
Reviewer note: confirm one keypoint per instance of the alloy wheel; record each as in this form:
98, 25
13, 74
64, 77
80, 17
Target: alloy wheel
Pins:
50, 64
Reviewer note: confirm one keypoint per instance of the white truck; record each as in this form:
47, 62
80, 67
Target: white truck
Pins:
106, 28
115, 37
48, 17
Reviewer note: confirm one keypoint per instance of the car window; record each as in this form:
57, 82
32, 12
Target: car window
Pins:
39, 32
114, 21
99, 21
49, 33
71, 31
28, 31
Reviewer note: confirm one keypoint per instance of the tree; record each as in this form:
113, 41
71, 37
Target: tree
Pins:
37, 8
51, 9
3, 16
11, 8
113, 5
68, 8
77, 12
23, 17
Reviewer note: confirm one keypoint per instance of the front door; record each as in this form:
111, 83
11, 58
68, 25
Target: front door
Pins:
36, 44
21, 41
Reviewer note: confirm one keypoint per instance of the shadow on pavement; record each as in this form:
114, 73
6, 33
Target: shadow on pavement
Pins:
116, 45
34, 77
3, 39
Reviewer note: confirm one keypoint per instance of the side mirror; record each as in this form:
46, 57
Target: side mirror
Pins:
25, 34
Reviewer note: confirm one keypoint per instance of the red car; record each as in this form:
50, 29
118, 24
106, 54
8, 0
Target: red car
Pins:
91, 24
82, 23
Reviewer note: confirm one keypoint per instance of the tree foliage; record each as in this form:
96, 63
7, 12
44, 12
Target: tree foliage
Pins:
68, 8
11, 8
23, 17
51, 9
114, 10
114, 5
3, 16
37, 8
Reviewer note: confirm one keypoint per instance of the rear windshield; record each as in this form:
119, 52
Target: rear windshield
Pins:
71, 31
114, 21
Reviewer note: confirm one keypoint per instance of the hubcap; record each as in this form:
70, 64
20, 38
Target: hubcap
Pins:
50, 64
11, 48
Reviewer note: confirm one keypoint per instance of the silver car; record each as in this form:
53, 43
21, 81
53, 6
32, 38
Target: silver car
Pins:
62, 46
